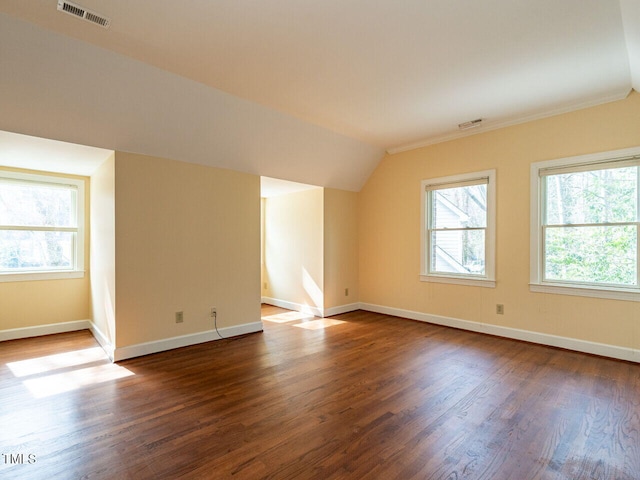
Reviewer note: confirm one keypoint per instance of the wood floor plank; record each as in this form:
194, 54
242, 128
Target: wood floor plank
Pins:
374, 397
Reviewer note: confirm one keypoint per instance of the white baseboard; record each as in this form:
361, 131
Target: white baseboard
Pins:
102, 339
605, 350
331, 311
165, 344
39, 330
298, 307
315, 311
116, 354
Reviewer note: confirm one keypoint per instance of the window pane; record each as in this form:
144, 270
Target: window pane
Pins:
36, 205
599, 196
460, 207
592, 254
458, 251
28, 250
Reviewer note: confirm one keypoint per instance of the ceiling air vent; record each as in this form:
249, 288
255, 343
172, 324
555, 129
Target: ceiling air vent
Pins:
470, 124
81, 12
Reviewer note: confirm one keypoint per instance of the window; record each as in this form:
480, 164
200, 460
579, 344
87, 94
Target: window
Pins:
458, 230
41, 227
585, 222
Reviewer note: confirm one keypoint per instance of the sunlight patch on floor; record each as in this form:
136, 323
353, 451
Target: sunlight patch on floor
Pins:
64, 382
63, 372
34, 366
286, 317
319, 324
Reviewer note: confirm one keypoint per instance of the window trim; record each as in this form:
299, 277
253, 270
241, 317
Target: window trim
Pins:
537, 283
488, 279
78, 269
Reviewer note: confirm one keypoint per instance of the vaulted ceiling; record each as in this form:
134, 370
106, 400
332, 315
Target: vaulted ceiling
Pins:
306, 90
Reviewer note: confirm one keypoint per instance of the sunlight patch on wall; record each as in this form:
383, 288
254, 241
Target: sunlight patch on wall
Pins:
109, 311
312, 289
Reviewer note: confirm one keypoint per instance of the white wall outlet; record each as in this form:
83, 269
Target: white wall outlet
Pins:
214, 311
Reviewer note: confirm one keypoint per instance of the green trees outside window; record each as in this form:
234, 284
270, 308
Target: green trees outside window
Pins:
590, 225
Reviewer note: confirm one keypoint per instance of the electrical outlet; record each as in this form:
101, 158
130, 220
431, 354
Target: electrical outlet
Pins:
266, 285
214, 311
346, 292
500, 309
179, 317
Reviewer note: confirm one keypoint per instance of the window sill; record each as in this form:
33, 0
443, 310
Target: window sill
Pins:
35, 276
586, 291
472, 282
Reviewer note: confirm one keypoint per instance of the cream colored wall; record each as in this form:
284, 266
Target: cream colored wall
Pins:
340, 247
42, 302
294, 248
389, 227
263, 271
187, 239
103, 249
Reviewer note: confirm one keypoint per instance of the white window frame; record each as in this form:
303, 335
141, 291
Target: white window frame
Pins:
77, 270
486, 280
537, 283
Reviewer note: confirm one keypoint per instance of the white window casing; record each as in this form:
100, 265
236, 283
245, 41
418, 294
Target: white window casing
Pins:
428, 187
539, 281
76, 229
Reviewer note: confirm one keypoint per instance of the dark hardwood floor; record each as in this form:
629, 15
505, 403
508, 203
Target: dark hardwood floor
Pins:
374, 397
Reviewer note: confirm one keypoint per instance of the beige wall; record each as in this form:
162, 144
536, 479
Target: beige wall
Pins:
294, 248
103, 249
310, 247
389, 227
184, 237
340, 247
43, 302
187, 239
263, 270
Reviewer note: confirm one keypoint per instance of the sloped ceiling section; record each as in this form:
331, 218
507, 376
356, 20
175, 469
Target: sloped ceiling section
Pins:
309, 91
36, 153
390, 73
630, 10
60, 88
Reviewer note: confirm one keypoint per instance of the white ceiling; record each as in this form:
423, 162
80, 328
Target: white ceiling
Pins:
312, 91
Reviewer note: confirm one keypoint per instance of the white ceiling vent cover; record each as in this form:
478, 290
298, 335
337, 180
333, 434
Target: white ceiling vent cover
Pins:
81, 12
471, 124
